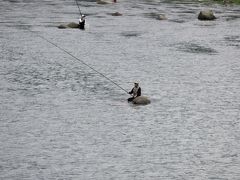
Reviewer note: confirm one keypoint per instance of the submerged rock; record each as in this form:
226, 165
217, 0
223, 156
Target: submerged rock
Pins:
156, 16
206, 15
70, 25
62, 26
161, 17
141, 100
116, 14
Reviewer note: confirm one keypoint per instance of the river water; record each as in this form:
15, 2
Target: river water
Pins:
61, 120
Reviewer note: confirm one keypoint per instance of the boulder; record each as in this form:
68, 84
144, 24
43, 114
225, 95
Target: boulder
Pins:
116, 14
141, 100
73, 25
103, 2
70, 25
206, 15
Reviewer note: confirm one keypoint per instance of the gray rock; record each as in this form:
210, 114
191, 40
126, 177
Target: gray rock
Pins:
103, 2
70, 25
116, 14
141, 100
73, 25
62, 26
206, 15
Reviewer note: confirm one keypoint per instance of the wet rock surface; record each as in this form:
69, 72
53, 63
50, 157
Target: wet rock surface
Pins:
206, 15
141, 100
70, 25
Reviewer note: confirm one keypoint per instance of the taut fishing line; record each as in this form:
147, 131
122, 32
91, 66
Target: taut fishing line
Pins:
78, 59
78, 8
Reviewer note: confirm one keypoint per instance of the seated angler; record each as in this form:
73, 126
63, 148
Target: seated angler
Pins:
82, 22
135, 92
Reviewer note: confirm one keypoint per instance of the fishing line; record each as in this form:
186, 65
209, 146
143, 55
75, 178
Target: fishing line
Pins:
78, 60
78, 8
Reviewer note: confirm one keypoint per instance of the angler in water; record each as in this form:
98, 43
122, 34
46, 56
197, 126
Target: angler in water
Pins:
82, 22
135, 92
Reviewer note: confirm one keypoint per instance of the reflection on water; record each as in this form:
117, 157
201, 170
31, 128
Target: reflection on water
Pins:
130, 34
195, 48
233, 40
61, 120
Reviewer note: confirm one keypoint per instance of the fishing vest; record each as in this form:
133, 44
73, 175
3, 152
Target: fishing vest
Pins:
135, 90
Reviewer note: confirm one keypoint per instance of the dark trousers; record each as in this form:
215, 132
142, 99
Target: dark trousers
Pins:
81, 25
130, 99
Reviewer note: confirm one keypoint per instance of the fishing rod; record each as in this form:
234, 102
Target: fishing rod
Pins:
77, 59
78, 8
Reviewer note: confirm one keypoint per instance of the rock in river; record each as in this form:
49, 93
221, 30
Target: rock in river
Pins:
103, 2
115, 14
206, 15
141, 100
70, 25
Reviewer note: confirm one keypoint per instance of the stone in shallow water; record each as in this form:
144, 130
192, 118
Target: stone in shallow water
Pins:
70, 25
116, 14
206, 15
141, 100
73, 25
103, 2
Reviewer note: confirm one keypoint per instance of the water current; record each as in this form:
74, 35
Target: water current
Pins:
61, 120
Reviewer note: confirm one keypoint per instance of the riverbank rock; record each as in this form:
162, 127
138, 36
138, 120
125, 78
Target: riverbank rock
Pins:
141, 100
70, 25
206, 15
227, 1
161, 17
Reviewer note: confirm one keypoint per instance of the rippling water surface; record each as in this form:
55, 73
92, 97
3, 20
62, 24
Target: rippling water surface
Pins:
61, 120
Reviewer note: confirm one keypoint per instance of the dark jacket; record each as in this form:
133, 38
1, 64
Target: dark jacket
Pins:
82, 24
138, 92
